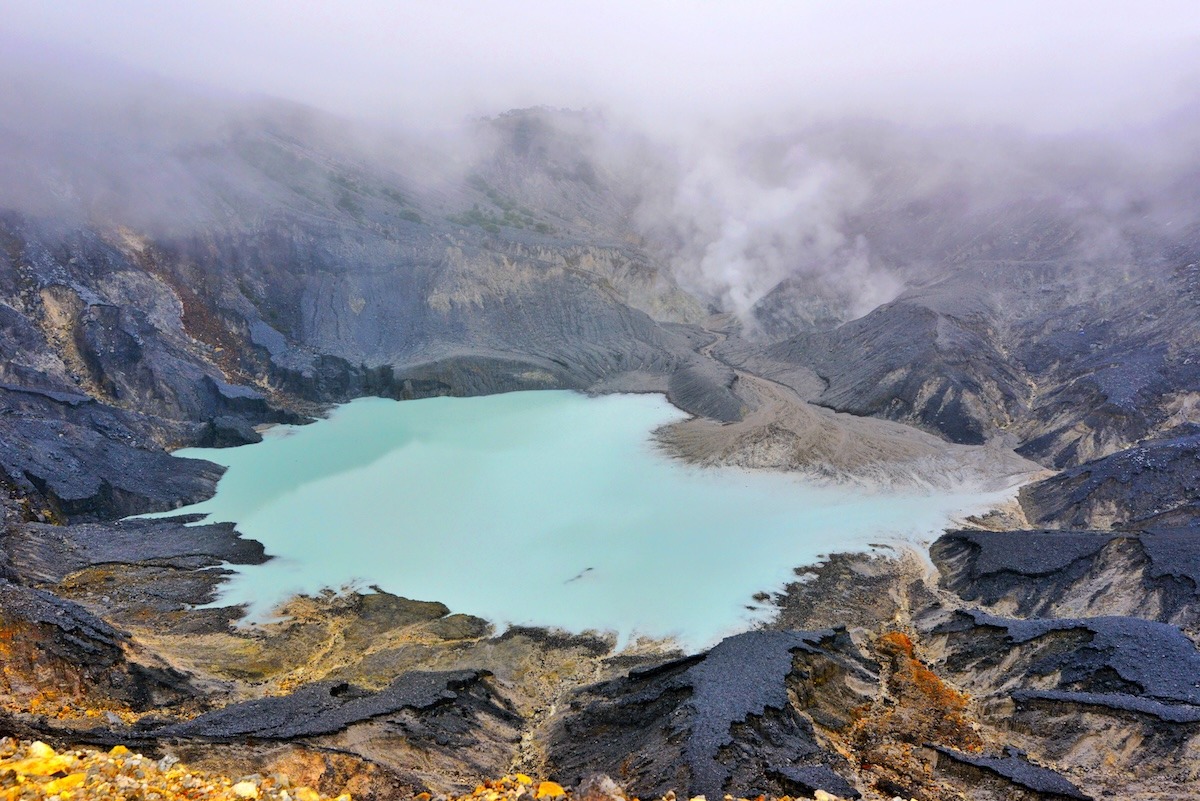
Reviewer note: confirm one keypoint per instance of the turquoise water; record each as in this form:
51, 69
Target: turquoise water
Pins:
543, 508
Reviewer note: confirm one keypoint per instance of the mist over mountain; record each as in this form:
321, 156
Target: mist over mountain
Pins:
856, 208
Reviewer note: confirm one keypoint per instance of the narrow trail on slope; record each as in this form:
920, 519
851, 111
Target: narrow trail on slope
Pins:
782, 431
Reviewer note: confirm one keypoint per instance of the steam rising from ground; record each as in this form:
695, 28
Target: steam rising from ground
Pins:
736, 223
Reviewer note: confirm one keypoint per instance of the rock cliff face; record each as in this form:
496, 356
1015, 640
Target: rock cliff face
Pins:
1152, 484
1051, 656
1015, 349
717, 720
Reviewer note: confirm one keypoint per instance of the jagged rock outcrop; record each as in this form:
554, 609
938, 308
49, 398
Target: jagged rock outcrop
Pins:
134, 571
425, 729
728, 718
68, 458
331, 707
56, 656
1155, 484
910, 361
40, 553
1021, 349
1150, 574
1126, 663
1052, 683
1020, 779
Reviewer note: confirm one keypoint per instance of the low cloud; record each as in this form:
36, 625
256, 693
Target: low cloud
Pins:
1063, 65
745, 176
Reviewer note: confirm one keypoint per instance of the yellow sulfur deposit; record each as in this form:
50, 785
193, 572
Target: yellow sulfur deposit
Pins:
35, 771
520, 787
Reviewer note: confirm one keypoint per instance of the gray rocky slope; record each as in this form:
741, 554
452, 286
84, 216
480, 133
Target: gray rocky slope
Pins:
271, 261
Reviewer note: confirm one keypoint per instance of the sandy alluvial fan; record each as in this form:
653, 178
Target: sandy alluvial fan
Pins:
907, 309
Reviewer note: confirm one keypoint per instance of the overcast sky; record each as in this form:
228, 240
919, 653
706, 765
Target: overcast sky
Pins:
1041, 64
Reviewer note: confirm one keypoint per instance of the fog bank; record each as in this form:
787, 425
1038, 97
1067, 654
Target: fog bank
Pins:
1041, 65
765, 153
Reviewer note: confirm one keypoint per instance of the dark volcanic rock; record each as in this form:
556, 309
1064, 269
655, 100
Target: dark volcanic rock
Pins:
1108, 703
1174, 553
851, 590
1116, 700
1028, 570
133, 570
228, 432
330, 707
1156, 483
58, 652
1016, 769
910, 362
720, 721
1028, 553
792, 307
1151, 574
43, 553
444, 729
93, 467
1121, 663
1017, 348
706, 388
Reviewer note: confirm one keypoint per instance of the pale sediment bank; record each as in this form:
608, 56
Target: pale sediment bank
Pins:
782, 432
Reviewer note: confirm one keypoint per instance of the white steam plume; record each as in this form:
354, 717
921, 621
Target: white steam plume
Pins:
737, 223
